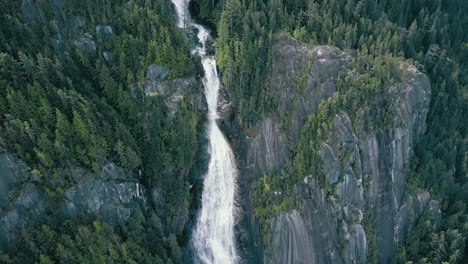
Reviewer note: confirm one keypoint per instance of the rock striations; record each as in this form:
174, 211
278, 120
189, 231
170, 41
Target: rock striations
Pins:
368, 181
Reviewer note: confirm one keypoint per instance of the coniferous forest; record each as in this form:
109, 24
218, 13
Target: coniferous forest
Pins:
107, 94
65, 103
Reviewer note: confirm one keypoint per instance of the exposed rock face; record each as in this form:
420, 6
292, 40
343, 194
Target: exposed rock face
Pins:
17, 208
225, 107
172, 90
358, 244
115, 196
23, 211
29, 11
154, 76
368, 179
268, 151
104, 32
297, 247
270, 147
114, 201
87, 44
12, 172
108, 56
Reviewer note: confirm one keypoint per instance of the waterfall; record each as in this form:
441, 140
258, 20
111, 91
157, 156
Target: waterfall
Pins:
213, 237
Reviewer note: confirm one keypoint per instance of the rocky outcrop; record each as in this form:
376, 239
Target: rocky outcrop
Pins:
12, 172
24, 211
67, 30
115, 195
27, 200
366, 171
104, 32
86, 44
154, 76
173, 91
114, 201
21, 203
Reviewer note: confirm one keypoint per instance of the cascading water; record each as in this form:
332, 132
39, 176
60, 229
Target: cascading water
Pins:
213, 238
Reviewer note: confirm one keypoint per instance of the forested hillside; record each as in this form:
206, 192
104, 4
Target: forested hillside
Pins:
101, 113
429, 34
73, 84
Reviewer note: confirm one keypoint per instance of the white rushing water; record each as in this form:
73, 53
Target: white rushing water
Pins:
213, 238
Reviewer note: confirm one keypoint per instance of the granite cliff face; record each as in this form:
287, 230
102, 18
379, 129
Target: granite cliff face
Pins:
366, 171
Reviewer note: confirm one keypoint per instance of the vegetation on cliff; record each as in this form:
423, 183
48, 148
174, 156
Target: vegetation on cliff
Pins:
431, 34
71, 94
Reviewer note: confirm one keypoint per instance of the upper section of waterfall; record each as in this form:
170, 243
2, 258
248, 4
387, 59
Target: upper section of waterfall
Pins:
213, 239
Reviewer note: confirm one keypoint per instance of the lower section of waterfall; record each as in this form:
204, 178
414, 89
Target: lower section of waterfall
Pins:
213, 239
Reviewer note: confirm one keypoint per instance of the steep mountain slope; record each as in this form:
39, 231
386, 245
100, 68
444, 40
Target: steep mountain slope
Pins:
384, 187
347, 118
364, 171
100, 110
